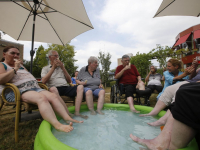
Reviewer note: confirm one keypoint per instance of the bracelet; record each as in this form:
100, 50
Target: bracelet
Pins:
15, 71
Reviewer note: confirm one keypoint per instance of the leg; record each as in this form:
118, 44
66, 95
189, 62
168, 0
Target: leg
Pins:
57, 106
78, 101
89, 100
158, 88
131, 105
159, 106
55, 91
45, 110
152, 87
130, 89
181, 135
161, 141
161, 121
101, 98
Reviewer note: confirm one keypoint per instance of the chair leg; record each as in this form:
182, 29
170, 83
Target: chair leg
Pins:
17, 120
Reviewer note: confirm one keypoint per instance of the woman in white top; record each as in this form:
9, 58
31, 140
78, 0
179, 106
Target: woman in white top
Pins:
12, 71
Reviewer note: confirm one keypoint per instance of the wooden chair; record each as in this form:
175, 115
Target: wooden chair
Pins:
27, 107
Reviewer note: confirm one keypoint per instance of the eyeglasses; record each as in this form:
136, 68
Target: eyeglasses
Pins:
126, 60
55, 55
13, 53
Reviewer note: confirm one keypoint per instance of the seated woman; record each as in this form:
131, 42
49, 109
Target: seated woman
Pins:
183, 123
12, 71
154, 80
168, 92
89, 77
74, 78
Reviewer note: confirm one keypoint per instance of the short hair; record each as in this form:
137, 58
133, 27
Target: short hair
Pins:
92, 59
125, 56
176, 62
154, 67
50, 52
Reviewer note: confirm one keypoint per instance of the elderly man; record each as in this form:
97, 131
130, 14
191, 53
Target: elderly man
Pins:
89, 76
55, 75
154, 80
128, 75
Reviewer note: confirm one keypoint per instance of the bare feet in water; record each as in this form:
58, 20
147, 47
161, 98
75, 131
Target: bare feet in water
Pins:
157, 123
82, 116
92, 112
73, 120
135, 111
143, 115
152, 144
100, 112
65, 128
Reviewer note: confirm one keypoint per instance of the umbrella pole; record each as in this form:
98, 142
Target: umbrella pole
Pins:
32, 52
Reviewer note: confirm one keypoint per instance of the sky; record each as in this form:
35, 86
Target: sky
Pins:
122, 27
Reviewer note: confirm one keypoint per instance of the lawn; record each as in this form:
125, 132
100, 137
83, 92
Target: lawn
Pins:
28, 129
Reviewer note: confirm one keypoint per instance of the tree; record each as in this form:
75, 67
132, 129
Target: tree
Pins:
142, 63
66, 55
104, 60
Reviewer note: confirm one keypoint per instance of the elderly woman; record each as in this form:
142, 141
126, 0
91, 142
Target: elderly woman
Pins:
89, 76
12, 71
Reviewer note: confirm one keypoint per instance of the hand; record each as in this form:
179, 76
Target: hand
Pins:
189, 70
83, 83
127, 67
195, 62
18, 64
101, 86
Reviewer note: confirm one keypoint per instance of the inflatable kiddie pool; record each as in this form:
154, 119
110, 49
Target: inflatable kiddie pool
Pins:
45, 140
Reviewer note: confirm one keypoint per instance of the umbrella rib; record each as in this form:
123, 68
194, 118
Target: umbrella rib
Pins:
164, 8
68, 16
52, 26
198, 15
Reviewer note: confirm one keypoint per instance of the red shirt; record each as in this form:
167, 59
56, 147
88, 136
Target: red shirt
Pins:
129, 76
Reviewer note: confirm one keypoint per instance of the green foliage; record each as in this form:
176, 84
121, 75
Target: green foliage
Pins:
113, 70
104, 60
66, 55
142, 63
27, 64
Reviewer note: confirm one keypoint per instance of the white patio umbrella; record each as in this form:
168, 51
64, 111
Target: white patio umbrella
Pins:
49, 21
179, 8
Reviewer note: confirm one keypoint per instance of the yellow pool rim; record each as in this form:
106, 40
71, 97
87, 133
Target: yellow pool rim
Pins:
45, 140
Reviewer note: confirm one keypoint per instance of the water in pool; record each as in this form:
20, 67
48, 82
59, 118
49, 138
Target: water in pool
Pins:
108, 132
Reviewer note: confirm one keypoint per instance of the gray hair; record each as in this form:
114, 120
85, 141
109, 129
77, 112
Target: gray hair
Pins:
50, 52
92, 59
154, 67
125, 56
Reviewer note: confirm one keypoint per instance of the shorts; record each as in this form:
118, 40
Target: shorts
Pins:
130, 89
67, 91
10, 96
94, 92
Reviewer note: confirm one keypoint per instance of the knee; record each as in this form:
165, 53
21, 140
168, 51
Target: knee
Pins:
102, 93
53, 90
80, 88
42, 99
89, 92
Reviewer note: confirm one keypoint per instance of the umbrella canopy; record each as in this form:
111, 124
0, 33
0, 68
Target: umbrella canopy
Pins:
49, 21
179, 8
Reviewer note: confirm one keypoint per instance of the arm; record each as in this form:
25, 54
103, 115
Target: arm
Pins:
7, 76
67, 76
119, 74
139, 79
147, 78
46, 78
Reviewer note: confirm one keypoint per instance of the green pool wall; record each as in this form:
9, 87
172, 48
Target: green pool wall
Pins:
45, 140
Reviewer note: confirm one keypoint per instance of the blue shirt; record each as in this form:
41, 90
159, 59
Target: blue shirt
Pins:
169, 80
73, 81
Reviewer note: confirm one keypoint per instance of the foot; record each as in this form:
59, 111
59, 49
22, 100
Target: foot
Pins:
157, 123
71, 115
65, 128
100, 112
92, 112
153, 144
135, 111
143, 115
82, 116
73, 120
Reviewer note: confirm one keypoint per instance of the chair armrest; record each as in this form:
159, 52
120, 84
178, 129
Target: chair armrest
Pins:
14, 89
43, 86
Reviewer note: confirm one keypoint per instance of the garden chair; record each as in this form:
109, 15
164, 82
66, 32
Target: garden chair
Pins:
18, 103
